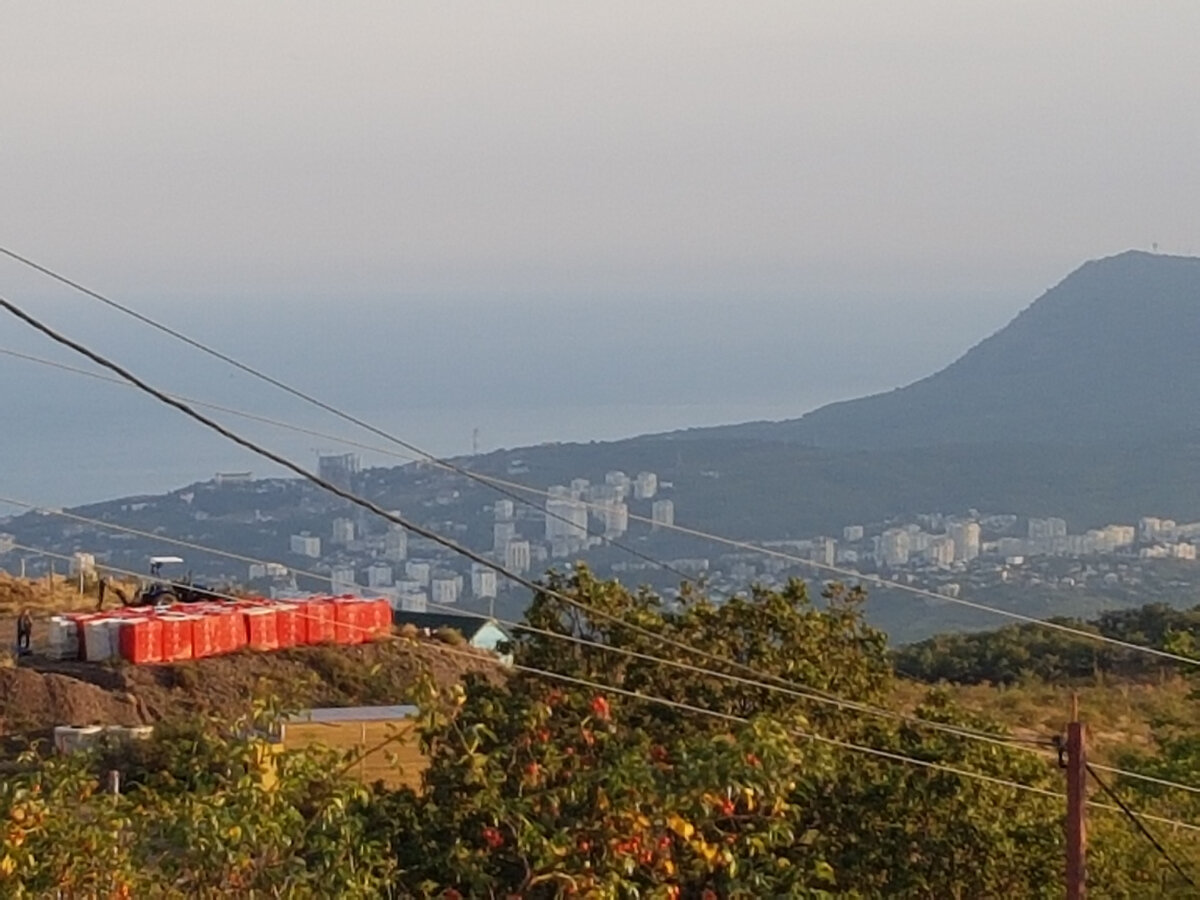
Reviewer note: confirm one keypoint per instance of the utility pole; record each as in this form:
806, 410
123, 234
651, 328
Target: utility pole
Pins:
1076, 766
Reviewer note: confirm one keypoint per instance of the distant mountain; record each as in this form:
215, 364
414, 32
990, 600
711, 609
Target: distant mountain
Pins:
1111, 353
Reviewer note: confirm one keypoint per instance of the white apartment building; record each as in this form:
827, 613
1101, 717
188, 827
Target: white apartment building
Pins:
1047, 529
504, 510
940, 551
517, 556
502, 532
894, 547
662, 514
824, 551
342, 580
620, 482
566, 519
444, 588
305, 545
379, 575
342, 532
416, 601
395, 544
852, 534
483, 582
966, 537
418, 572
645, 486
615, 518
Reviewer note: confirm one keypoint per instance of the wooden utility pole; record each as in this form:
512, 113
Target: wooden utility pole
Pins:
1076, 765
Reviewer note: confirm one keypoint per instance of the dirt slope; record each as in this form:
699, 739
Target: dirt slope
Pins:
42, 693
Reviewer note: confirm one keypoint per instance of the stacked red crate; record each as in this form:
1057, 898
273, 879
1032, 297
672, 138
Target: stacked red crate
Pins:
261, 632
351, 624
289, 627
176, 637
383, 618
141, 640
319, 618
206, 639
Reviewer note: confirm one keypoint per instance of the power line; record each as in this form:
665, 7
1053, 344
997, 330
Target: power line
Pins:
283, 461
844, 745
505, 486
392, 517
320, 404
1141, 827
362, 502
805, 692
650, 698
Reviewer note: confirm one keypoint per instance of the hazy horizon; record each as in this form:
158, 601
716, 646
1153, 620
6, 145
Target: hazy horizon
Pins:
456, 210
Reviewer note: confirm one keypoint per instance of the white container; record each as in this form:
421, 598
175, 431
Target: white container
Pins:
100, 639
64, 638
69, 738
130, 732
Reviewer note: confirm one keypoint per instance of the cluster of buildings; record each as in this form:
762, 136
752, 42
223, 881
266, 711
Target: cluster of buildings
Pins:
417, 574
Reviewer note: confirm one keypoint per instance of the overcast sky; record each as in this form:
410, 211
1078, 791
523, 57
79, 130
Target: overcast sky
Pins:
596, 151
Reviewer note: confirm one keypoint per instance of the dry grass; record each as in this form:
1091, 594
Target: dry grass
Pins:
1119, 716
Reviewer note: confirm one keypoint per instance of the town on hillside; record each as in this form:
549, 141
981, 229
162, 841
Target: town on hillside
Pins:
305, 542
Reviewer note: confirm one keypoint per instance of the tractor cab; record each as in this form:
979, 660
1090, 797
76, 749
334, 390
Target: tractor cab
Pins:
161, 591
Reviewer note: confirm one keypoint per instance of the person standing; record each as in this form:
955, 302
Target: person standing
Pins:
24, 631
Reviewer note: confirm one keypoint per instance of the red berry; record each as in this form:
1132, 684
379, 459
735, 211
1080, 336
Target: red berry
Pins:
727, 808
600, 708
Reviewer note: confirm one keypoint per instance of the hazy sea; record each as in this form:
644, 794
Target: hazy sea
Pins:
521, 371
161, 450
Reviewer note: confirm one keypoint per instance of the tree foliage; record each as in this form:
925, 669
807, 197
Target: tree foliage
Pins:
545, 788
1006, 655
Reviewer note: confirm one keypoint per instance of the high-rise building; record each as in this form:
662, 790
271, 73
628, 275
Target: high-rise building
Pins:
1047, 529
894, 547
305, 545
566, 519
502, 533
940, 550
418, 571
343, 532
415, 601
379, 575
517, 556
339, 469
620, 483
483, 582
444, 588
824, 551
852, 534
645, 486
342, 581
395, 544
615, 517
503, 510
966, 537
662, 514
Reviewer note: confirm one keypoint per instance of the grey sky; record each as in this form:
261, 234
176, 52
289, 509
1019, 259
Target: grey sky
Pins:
601, 150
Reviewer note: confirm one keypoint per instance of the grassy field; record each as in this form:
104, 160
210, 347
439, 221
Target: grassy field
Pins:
1119, 716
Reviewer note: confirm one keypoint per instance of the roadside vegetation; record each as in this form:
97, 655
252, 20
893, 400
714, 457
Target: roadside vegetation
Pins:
541, 788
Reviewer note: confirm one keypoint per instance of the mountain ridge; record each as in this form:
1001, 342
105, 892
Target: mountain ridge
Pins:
1107, 353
